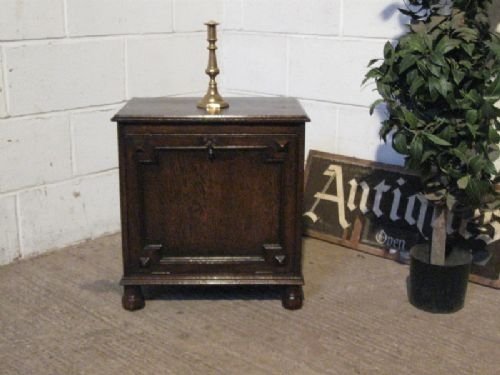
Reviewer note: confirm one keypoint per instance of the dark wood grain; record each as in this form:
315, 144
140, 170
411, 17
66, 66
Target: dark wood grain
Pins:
212, 202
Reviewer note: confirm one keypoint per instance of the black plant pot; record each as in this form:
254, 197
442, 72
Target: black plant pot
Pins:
438, 289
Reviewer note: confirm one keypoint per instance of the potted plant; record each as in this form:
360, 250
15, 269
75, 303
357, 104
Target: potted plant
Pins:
439, 83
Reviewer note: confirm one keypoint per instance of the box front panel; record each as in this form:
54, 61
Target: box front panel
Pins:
209, 201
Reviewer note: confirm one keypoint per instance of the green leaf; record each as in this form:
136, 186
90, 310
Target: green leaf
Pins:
388, 51
468, 48
458, 75
463, 182
423, 67
416, 84
412, 42
435, 70
471, 116
428, 40
488, 110
450, 46
473, 130
436, 140
446, 45
427, 154
406, 62
372, 61
444, 87
385, 129
468, 34
459, 154
475, 190
493, 152
476, 164
416, 149
438, 59
410, 118
447, 133
383, 89
399, 143
494, 46
493, 89
490, 168
411, 76
474, 97
375, 104
372, 73
433, 84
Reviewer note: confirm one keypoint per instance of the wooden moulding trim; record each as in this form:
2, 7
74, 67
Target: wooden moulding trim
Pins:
345, 243
211, 260
215, 280
355, 161
484, 281
263, 121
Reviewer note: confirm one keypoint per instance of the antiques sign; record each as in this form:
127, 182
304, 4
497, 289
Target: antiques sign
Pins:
377, 208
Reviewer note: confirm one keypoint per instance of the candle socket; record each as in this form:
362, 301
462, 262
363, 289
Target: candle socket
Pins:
212, 101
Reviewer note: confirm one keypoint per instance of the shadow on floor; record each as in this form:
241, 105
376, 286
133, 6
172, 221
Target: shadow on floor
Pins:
230, 293
185, 292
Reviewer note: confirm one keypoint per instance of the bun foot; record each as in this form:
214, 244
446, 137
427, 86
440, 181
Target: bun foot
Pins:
132, 298
293, 296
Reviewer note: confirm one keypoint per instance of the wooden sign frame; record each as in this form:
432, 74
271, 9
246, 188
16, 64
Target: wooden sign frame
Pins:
375, 208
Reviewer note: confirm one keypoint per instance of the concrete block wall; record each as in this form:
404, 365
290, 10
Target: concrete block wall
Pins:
317, 51
67, 65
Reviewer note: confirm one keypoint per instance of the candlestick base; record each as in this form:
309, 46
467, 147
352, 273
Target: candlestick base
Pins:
212, 100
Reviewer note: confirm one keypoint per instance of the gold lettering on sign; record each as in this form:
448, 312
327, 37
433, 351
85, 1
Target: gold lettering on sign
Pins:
335, 173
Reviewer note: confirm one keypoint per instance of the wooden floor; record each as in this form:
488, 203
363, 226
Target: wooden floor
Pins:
61, 314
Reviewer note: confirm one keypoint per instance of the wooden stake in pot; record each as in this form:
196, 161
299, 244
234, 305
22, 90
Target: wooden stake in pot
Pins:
438, 246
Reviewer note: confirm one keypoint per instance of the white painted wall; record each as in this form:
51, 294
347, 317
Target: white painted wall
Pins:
67, 65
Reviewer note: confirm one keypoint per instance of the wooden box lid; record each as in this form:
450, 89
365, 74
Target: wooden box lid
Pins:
254, 109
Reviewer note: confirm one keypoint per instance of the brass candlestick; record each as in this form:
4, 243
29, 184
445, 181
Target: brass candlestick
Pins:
212, 101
